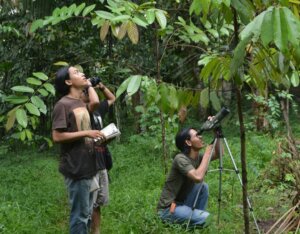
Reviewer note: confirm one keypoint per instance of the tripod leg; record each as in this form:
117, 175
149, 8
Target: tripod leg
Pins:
220, 183
241, 182
196, 199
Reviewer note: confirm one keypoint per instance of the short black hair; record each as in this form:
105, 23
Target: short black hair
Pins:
180, 139
61, 87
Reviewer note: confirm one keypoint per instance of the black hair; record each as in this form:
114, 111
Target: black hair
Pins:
180, 139
61, 87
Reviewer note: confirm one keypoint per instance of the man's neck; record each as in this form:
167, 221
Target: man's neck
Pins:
194, 154
75, 93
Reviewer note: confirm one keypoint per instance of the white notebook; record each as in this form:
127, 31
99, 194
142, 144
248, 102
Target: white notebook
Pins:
110, 131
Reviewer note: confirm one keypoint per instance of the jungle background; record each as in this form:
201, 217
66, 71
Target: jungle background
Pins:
170, 64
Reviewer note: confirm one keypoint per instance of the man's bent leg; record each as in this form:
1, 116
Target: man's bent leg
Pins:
182, 214
201, 203
80, 198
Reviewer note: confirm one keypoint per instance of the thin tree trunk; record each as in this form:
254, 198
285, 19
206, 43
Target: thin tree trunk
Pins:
162, 121
242, 138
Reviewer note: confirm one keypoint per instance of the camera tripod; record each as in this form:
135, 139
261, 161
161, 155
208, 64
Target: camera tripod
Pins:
218, 137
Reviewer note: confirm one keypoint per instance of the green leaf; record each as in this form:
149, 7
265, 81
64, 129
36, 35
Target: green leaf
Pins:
22, 136
50, 143
61, 63
13, 99
38, 102
43, 92
215, 101
295, 79
173, 98
79, 9
88, 9
21, 88
32, 109
40, 75
267, 29
239, 54
50, 88
33, 81
196, 7
150, 16
122, 87
134, 84
21, 117
120, 18
105, 15
36, 24
28, 134
280, 37
161, 18
204, 98
244, 9
139, 21
292, 25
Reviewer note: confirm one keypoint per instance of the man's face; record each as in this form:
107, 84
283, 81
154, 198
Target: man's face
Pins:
77, 78
195, 141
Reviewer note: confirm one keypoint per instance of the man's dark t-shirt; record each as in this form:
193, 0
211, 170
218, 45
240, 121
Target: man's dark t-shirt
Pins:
103, 157
178, 184
77, 158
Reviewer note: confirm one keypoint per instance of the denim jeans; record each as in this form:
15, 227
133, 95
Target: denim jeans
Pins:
81, 202
184, 210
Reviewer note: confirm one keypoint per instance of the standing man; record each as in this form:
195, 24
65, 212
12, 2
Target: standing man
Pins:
71, 127
103, 157
185, 179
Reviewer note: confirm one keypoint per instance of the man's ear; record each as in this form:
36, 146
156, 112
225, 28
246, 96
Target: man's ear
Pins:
188, 142
68, 82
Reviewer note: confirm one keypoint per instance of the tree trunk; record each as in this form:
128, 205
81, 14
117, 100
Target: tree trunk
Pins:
243, 159
242, 137
162, 121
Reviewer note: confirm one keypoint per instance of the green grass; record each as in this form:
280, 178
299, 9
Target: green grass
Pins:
33, 197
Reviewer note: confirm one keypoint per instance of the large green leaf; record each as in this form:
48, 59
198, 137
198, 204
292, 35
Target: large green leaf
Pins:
239, 54
173, 98
88, 9
21, 117
140, 21
79, 9
50, 88
13, 99
38, 102
32, 109
105, 14
123, 87
267, 28
43, 92
40, 75
295, 79
293, 26
204, 98
33, 81
161, 18
245, 9
23, 89
134, 84
280, 32
215, 101
36, 24
150, 16
196, 7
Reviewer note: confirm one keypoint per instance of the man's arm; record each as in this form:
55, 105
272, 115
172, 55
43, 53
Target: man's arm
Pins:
110, 97
93, 99
63, 137
198, 174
